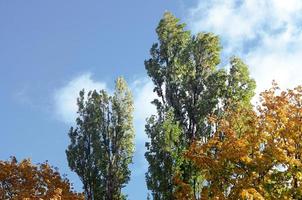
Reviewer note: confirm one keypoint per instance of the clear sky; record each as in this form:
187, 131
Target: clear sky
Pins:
49, 50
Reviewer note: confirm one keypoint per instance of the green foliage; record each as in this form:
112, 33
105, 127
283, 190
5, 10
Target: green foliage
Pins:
240, 86
190, 87
102, 143
161, 154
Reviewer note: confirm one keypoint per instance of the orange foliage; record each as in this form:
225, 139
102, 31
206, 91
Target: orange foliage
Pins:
24, 181
183, 190
254, 154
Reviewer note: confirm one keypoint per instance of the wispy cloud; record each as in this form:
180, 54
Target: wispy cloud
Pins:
266, 34
65, 98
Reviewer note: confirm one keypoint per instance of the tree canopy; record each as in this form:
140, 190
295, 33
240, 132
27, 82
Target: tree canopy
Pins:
102, 143
253, 154
25, 181
190, 85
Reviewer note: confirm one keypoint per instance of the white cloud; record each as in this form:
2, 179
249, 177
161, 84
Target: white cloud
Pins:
143, 95
266, 34
66, 97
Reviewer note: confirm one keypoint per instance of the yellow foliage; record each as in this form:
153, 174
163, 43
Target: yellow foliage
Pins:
251, 194
254, 154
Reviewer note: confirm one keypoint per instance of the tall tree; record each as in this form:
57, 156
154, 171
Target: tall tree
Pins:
23, 180
183, 68
253, 154
102, 144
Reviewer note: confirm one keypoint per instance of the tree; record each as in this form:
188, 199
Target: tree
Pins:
23, 180
102, 143
254, 154
161, 154
189, 86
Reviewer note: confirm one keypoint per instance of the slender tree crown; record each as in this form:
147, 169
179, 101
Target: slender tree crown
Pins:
189, 86
102, 143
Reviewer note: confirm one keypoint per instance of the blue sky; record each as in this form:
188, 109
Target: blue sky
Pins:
49, 50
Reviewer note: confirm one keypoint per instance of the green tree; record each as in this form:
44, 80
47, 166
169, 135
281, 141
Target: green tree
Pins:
161, 153
190, 87
102, 143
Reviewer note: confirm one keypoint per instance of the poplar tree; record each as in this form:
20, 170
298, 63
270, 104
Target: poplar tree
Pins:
102, 142
190, 86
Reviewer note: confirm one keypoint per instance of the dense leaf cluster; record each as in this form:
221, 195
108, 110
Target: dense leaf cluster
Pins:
25, 181
253, 154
